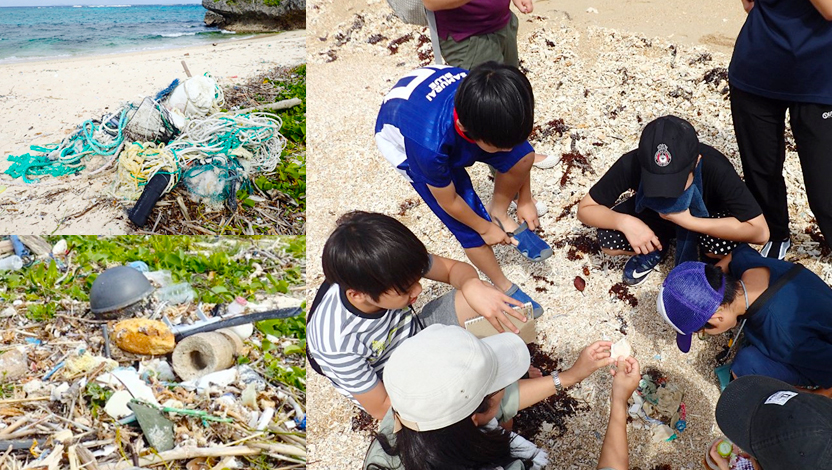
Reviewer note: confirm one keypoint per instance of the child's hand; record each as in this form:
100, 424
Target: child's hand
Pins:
639, 236
492, 304
496, 236
626, 378
527, 212
592, 358
720, 461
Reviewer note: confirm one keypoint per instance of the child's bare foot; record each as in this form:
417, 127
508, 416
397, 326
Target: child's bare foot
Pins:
505, 222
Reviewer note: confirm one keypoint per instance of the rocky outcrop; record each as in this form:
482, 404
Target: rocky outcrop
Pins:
255, 16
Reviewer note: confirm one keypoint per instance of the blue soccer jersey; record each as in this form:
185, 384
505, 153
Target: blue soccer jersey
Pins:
415, 129
415, 132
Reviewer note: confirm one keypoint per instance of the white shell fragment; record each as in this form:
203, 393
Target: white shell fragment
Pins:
621, 349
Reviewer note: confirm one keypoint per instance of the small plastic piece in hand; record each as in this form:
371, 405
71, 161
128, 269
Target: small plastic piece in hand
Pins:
621, 349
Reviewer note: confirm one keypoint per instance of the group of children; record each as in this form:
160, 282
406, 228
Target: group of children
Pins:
446, 398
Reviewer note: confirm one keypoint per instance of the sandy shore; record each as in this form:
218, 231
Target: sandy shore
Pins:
604, 75
43, 101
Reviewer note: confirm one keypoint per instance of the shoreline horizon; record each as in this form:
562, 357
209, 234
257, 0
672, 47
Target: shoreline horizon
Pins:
92, 54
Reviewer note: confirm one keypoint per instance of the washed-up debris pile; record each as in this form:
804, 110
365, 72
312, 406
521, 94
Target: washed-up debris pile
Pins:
145, 373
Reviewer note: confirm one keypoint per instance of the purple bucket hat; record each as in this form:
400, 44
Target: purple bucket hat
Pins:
687, 301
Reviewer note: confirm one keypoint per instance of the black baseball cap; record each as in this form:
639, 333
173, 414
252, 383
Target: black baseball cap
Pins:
781, 427
667, 152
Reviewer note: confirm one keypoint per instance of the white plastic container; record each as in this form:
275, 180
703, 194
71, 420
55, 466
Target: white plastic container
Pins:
11, 263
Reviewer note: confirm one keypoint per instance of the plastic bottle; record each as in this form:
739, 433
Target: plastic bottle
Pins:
724, 449
176, 293
140, 266
11, 263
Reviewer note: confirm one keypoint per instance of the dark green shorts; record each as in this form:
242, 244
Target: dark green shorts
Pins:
500, 46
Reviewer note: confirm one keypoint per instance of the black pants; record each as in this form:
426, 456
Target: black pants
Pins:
760, 125
664, 230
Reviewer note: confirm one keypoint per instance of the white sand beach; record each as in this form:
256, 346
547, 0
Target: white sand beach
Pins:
605, 68
43, 101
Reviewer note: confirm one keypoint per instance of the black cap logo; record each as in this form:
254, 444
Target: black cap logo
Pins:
662, 156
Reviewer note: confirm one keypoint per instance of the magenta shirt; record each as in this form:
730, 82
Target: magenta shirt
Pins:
472, 19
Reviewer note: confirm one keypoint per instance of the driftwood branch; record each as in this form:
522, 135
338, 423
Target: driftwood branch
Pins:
285, 104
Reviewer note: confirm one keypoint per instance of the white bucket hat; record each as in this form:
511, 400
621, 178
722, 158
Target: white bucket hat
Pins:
440, 376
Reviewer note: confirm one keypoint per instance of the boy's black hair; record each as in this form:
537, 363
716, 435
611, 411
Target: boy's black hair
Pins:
714, 276
372, 253
495, 104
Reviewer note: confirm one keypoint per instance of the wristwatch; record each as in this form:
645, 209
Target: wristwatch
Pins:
556, 380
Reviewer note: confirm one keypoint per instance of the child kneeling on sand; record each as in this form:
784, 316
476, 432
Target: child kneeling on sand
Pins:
438, 120
787, 309
363, 311
684, 189
449, 390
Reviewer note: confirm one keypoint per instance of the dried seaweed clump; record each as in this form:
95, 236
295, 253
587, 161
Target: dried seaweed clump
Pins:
407, 205
815, 235
701, 58
362, 421
579, 246
567, 209
716, 75
376, 38
424, 50
555, 410
555, 126
573, 160
393, 47
621, 291
343, 37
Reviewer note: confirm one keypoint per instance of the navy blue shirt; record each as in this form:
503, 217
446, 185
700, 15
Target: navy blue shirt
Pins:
784, 52
795, 326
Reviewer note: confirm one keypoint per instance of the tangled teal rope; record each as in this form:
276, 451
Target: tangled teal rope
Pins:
71, 152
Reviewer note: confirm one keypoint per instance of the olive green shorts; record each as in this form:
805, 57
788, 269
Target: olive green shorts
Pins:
500, 46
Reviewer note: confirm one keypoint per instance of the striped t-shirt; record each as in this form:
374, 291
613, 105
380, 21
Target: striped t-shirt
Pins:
350, 346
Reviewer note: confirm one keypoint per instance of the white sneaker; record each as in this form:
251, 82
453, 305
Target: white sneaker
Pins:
541, 207
548, 162
777, 250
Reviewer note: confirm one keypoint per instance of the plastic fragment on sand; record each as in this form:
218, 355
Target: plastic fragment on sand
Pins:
157, 429
117, 407
131, 381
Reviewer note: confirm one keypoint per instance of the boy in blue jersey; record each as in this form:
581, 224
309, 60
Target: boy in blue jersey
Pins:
438, 120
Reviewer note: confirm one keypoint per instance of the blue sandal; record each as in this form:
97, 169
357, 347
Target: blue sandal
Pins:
529, 244
515, 293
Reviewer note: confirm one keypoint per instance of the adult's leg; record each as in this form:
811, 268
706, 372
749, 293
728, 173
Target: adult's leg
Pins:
751, 361
759, 124
471, 51
507, 37
813, 136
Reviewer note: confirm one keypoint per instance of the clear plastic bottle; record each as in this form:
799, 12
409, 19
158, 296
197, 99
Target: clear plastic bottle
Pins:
176, 293
11, 263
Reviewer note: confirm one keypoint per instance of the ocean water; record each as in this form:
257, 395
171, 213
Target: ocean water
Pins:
28, 33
